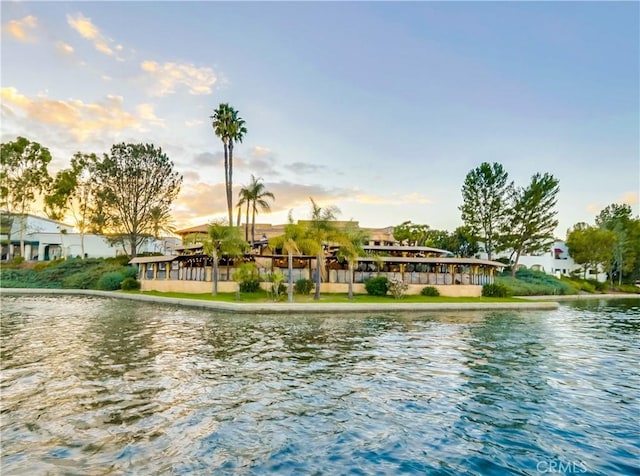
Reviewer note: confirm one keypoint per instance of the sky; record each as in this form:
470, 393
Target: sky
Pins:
378, 108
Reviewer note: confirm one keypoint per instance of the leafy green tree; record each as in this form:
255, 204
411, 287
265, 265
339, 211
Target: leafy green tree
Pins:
626, 250
23, 176
440, 239
590, 246
460, 242
411, 233
531, 218
131, 181
485, 196
255, 196
73, 191
351, 240
230, 128
322, 229
463, 244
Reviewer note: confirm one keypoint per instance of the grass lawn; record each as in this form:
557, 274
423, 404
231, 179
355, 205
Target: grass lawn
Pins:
261, 297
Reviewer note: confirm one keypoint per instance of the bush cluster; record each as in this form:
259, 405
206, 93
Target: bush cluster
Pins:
110, 281
248, 278
72, 273
377, 286
430, 291
303, 286
534, 283
130, 284
495, 290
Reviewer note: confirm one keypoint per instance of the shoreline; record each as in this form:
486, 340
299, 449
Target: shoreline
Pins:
535, 303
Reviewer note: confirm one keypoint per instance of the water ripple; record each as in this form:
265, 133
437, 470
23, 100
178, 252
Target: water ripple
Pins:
101, 386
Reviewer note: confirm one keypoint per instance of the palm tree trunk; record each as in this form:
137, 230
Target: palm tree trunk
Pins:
214, 277
226, 181
253, 225
239, 215
316, 296
230, 184
290, 287
246, 224
350, 280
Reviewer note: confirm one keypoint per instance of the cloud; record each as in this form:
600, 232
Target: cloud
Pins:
200, 201
259, 151
21, 29
168, 76
191, 176
208, 159
392, 199
83, 120
146, 113
630, 198
303, 168
63, 48
85, 27
193, 123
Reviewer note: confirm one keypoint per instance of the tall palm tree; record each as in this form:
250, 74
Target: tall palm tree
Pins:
245, 200
254, 196
230, 128
351, 242
321, 230
259, 196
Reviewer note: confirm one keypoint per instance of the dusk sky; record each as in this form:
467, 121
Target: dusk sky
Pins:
379, 108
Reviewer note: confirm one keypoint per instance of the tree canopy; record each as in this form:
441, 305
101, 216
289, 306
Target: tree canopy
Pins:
531, 217
73, 191
485, 194
131, 181
618, 219
230, 128
590, 246
23, 176
411, 234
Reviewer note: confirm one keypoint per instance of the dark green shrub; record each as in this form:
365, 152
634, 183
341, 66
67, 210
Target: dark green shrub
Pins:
430, 291
85, 280
129, 271
17, 260
377, 286
303, 286
629, 288
600, 286
248, 278
40, 265
110, 281
123, 260
130, 284
495, 290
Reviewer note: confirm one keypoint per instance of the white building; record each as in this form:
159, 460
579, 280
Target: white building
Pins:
47, 240
557, 261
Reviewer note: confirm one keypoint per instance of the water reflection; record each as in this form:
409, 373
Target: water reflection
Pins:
93, 386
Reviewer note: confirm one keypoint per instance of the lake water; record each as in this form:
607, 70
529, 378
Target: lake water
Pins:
104, 386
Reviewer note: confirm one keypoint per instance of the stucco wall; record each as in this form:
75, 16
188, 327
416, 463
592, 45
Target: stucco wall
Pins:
195, 287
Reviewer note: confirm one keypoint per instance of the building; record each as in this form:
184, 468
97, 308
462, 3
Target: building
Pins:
556, 261
191, 270
46, 240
